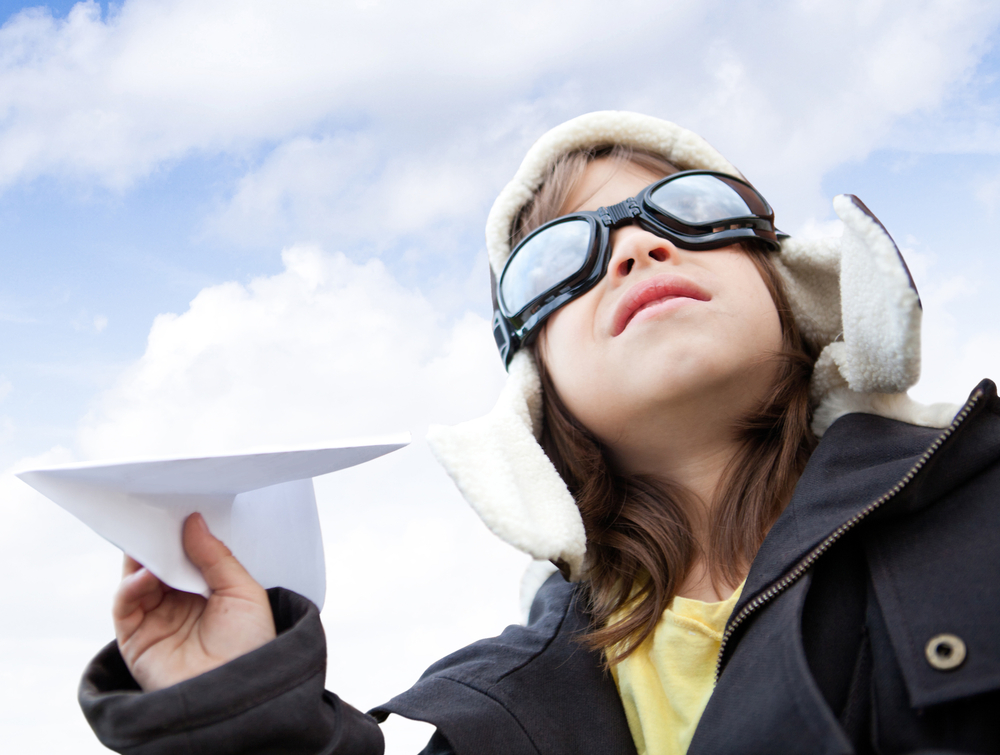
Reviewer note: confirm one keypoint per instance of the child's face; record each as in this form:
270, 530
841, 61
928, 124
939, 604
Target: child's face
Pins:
664, 327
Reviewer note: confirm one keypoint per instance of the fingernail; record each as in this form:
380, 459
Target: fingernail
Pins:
200, 522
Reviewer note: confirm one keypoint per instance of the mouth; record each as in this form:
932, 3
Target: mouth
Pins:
653, 293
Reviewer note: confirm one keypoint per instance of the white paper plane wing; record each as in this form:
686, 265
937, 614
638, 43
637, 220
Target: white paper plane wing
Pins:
261, 505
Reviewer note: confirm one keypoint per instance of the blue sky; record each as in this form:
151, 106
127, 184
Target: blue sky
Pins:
84, 248
315, 178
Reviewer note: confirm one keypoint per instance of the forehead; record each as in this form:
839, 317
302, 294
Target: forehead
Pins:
606, 182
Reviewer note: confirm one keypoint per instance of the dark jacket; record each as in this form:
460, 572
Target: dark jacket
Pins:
880, 575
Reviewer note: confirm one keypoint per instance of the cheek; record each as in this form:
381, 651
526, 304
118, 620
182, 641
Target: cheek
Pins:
762, 321
758, 337
574, 359
567, 338
561, 346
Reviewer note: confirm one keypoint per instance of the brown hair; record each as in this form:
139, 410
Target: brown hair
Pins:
640, 537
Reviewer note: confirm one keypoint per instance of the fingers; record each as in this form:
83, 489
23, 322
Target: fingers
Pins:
138, 593
218, 566
129, 566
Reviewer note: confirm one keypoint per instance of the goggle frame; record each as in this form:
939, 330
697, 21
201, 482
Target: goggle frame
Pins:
515, 329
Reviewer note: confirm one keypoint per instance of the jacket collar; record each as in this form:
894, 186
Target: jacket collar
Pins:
865, 460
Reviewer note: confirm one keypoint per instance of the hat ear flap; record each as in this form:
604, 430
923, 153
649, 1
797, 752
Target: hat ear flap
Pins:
502, 471
854, 300
875, 358
879, 305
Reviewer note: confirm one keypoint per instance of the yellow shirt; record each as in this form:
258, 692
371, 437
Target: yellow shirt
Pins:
665, 684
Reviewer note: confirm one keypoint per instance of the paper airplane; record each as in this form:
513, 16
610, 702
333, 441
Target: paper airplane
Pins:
261, 505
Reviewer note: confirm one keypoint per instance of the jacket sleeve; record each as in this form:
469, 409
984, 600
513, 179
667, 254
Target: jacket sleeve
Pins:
269, 701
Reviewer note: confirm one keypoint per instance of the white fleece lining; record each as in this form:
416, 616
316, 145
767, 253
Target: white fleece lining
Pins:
500, 468
851, 297
843, 400
880, 309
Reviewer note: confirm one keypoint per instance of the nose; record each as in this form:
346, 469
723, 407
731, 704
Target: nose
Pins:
633, 248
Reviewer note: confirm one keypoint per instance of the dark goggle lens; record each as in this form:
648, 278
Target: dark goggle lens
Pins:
700, 200
544, 260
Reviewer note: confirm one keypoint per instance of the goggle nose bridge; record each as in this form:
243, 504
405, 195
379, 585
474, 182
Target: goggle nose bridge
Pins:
618, 213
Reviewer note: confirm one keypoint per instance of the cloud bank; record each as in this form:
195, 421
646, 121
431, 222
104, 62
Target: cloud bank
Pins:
326, 349
310, 93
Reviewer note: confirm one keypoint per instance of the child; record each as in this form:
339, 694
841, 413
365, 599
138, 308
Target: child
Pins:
764, 545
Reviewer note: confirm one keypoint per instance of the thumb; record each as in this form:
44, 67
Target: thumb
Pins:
216, 562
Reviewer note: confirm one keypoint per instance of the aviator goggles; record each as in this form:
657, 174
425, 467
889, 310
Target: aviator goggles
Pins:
566, 257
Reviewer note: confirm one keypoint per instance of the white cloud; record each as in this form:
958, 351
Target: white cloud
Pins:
787, 93
325, 349
787, 96
959, 335
831, 85
352, 189
62, 575
115, 97
954, 361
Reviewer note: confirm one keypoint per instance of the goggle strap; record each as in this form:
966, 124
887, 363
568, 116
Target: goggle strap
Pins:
494, 286
507, 343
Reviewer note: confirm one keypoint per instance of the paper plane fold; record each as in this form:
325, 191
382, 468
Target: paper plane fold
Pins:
262, 505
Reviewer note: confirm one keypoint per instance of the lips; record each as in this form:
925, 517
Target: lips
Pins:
651, 292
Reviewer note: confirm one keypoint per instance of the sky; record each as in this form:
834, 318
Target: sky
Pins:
234, 223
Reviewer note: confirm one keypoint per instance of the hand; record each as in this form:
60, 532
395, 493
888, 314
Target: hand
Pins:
167, 636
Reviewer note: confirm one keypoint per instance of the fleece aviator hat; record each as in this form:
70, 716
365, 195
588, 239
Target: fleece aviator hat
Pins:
851, 296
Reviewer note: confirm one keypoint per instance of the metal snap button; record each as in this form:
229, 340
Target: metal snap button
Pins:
945, 652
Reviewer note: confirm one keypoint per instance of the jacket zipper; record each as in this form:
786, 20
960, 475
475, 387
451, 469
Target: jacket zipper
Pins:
803, 565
